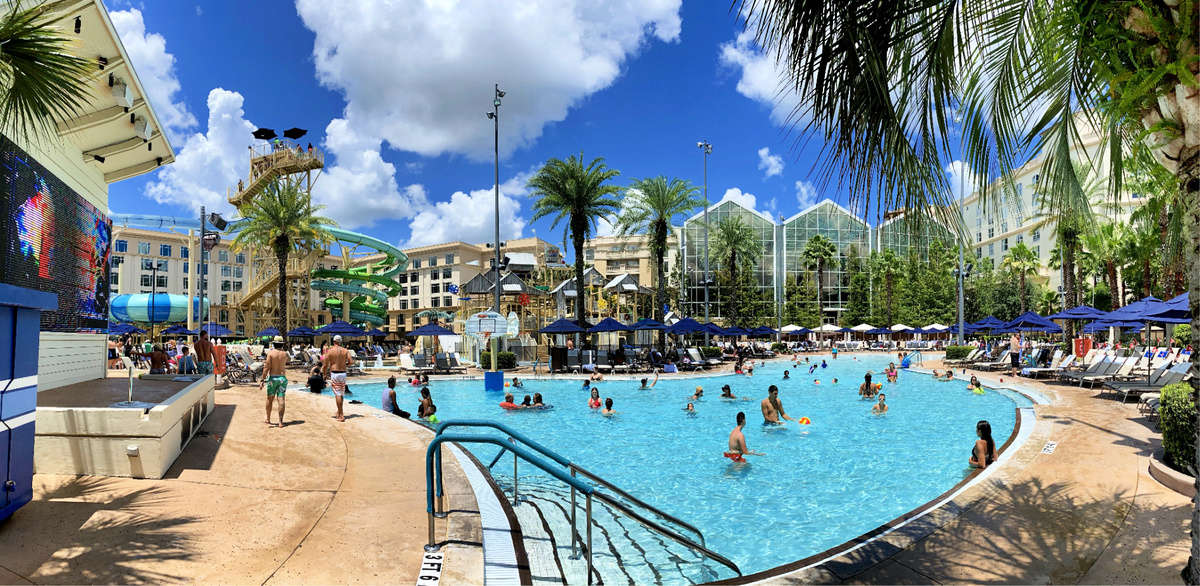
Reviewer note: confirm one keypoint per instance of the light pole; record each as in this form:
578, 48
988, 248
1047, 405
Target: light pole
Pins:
494, 115
961, 266
706, 148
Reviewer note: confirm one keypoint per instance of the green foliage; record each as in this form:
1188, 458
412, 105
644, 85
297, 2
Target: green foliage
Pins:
800, 303
742, 303
504, 360
1183, 334
1177, 417
710, 352
650, 206
858, 303
958, 352
778, 347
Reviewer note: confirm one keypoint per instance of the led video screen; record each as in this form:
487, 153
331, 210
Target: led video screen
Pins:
55, 241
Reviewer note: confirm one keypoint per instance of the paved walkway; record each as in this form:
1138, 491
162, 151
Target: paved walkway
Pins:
316, 502
1088, 513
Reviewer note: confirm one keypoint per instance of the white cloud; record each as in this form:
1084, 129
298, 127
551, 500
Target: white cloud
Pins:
470, 217
961, 178
806, 194
769, 164
443, 58
736, 195
208, 163
762, 79
156, 70
361, 188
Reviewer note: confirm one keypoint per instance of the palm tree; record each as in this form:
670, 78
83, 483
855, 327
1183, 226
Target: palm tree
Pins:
1048, 302
1106, 244
1021, 262
581, 195
43, 80
1141, 249
735, 246
284, 220
1021, 77
817, 251
887, 267
649, 206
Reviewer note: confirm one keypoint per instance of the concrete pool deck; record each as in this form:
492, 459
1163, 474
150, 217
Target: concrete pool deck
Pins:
316, 502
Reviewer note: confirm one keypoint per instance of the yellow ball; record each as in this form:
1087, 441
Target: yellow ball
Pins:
506, 384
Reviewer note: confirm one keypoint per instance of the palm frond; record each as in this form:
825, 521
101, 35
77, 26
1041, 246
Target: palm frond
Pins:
43, 80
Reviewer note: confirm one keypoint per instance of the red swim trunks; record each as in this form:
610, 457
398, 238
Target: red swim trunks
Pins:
735, 456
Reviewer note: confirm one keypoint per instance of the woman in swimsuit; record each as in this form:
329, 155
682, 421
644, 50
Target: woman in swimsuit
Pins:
594, 400
608, 410
537, 400
507, 403
974, 384
984, 445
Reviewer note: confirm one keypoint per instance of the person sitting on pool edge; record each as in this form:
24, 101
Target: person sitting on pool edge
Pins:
651, 385
737, 441
389, 399
772, 408
670, 367
507, 403
316, 382
608, 410
984, 445
594, 400
881, 407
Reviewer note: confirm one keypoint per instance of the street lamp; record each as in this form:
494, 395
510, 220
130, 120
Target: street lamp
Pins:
494, 115
208, 241
706, 148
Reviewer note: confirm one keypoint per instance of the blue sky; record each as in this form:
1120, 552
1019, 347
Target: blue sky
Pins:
396, 96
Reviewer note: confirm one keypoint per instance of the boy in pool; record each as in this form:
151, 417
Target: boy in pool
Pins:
881, 407
786, 375
737, 441
608, 410
651, 385
516, 383
727, 393
690, 408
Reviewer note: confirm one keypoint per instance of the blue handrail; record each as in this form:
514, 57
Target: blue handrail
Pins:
543, 450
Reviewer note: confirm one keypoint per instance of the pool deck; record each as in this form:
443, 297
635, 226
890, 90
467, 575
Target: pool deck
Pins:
1087, 513
314, 502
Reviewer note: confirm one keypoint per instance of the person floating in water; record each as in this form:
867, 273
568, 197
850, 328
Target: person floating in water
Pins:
699, 393
651, 385
516, 383
608, 410
508, 403
812, 369
737, 441
835, 380
823, 365
786, 375
974, 385
816, 381
690, 408
772, 408
881, 407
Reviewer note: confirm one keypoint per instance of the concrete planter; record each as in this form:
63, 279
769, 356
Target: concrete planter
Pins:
1171, 478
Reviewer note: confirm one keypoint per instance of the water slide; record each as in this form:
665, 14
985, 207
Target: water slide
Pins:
368, 305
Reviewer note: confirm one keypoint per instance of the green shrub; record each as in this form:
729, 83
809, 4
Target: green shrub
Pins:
778, 347
958, 352
1177, 416
1183, 334
710, 352
505, 360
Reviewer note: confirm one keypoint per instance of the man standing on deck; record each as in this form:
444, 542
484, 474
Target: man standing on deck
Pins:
1014, 354
772, 408
336, 360
204, 354
274, 378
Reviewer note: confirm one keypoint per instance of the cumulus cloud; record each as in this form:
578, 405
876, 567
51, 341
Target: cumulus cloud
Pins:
806, 194
208, 163
736, 195
962, 179
443, 58
361, 188
762, 78
156, 70
470, 216
769, 164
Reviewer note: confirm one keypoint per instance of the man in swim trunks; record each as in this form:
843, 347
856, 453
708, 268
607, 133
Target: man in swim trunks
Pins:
273, 377
336, 360
651, 385
737, 441
204, 354
1014, 354
158, 360
772, 408
727, 392
881, 407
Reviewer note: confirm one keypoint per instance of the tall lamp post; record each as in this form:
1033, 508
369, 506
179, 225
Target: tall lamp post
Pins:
494, 115
208, 241
706, 148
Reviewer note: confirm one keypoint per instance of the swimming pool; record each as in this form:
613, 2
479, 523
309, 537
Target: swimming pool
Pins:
817, 486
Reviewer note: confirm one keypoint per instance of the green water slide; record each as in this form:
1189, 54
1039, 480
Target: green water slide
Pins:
369, 304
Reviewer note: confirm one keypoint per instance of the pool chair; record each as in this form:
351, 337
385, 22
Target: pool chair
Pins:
455, 364
1000, 363
1029, 370
602, 362
1102, 366
443, 364
694, 354
572, 361
1158, 380
1057, 366
1122, 369
972, 355
422, 362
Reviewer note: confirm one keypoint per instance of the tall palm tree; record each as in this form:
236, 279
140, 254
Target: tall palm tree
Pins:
284, 220
1141, 249
649, 206
1022, 77
736, 247
43, 80
581, 195
1021, 262
817, 251
1106, 244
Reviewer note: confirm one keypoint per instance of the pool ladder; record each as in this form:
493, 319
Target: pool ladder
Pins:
525, 451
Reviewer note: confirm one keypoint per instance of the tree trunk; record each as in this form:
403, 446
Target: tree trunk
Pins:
890, 315
820, 277
1111, 274
1069, 274
580, 286
660, 254
1146, 276
1024, 295
281, 255
1189, 183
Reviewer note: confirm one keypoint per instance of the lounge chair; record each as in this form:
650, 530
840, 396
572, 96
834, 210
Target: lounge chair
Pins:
999, 364
573, 361
971, 356
602, 363
1056, 367
455, 364
1120, 368
443, 364
422, 362
1172, 375
1095, 368
694, 354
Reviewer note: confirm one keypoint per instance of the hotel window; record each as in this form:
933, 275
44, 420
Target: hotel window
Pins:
121, 246
1035, 178
434, 274
116, 261
161, 281
226, 271
414, 277
991, 220
433, 261
226, 286
403, 278
450, 258
447, 274
184, 252
1004, 245
321, 319
1037, 235
402, 304
435, 302
435, 288
162, 265
143, 248
114, 279
1020, 238
399, 319
164, 250
1003, 226
147, 264
447, 301
979, 253
979, 236
589, 254
185, 284
237, 286
237, 272
224, 299
416, 263
240, 258
991, 232
991, 248
223, 315
223, 256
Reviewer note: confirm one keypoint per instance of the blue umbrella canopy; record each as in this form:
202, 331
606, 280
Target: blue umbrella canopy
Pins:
120, 329
1032, 322
763, 331
215, 329
714, 329
608, 324
1081, 312
563, 326
648, 324
267, 332
377, 333
736, 331
686, 325
1101, 325
340, 328
177, 330
879, 331
1136, 311
431, 330
1173, 311
301, 332
988, 323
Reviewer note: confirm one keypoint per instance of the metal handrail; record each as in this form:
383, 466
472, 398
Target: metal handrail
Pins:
514, 436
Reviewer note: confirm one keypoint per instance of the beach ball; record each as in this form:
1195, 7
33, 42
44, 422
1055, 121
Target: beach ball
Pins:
805, 421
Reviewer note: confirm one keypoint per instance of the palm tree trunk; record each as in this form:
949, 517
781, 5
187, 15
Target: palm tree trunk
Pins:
1024, 294
1111, 274
820, 277
580, 288
1146, 276
660, 299
1069, 274
890, 313
281, 255
1189, 183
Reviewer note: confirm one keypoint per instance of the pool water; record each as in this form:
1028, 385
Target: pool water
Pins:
817, 486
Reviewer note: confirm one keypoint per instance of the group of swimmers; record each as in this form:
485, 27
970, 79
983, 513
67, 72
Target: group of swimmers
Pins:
527, 403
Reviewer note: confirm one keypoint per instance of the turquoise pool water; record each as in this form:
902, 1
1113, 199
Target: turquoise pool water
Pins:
817, 486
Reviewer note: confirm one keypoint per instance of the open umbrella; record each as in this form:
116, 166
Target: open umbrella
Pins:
215, 330
686, 325
563, 326
339, 328
377, 333
900, 327
879, 331
608, 324
1172, 311
1032, 322
863, 328
431, 330
267, 332
264, 134
736, 331
177, 330
715, 329
1081, 312
301, 332
294, 133
763, 331
647, 324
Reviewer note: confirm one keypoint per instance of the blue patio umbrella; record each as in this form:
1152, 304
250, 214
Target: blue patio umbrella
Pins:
736, 331
177, 330
1081, 312
802, 331
267, 332
608, 324
563, 326
340, 328
215, 330
686, 325
377, 333
1134, 311
122, 329
1102, 324
1172, 311
1032, 322
301, 332
431, 330
988, 323
715, 329
763, 331
879, 331
647, 324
